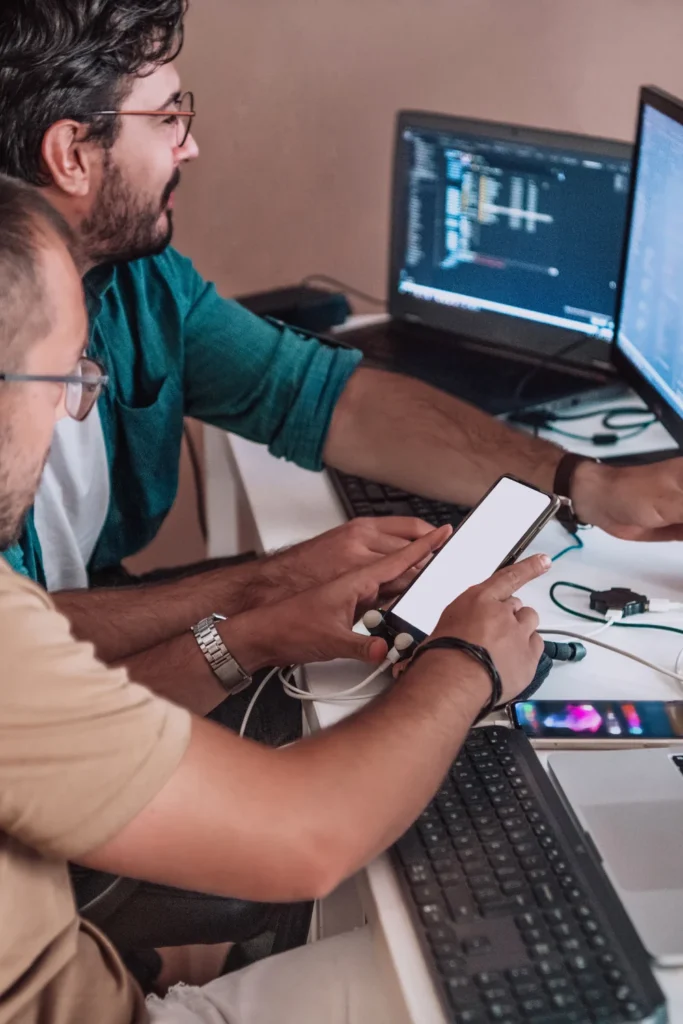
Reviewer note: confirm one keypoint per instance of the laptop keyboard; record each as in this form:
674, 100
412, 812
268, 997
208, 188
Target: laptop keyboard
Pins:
517, 921
363, 498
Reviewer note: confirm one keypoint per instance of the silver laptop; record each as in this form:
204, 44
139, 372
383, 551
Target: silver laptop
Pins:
630, 803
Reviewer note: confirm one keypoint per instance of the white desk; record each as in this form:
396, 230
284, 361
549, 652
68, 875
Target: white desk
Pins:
289, 504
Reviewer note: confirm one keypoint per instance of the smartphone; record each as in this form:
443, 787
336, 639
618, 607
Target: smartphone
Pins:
494, 534
599, 723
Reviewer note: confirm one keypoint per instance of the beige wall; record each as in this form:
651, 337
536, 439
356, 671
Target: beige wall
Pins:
296, 100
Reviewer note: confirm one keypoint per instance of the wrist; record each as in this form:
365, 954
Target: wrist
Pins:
245, 642
457, 675
589, 482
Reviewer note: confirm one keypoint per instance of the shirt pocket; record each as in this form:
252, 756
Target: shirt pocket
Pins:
146, 456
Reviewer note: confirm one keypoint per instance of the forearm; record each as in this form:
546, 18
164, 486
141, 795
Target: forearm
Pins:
367, 779
178, 670
243, 820
400, 431
123, 622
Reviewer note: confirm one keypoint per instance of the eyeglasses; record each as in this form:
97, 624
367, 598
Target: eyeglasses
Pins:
181, 115
83, 387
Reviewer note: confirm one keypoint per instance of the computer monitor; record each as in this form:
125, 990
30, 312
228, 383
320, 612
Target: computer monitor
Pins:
648, 344
507, 232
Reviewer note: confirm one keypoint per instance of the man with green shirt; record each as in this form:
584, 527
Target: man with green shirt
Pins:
91, 111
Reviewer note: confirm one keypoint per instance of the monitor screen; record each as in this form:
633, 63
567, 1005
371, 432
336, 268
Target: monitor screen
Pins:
496, 225
650, 332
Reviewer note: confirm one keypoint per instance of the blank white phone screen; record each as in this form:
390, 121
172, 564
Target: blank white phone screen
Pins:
473, 553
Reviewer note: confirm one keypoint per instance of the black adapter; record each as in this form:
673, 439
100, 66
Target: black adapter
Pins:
619, 599
311, 309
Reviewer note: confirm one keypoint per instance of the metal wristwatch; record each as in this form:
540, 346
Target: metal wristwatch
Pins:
224, 665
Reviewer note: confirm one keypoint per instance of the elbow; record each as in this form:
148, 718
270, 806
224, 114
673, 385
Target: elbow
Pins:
322, 863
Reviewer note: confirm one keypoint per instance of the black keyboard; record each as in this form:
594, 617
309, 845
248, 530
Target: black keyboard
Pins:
516, 918
364, 498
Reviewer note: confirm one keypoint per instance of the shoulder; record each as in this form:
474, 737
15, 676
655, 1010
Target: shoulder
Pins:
17, 591
169, 273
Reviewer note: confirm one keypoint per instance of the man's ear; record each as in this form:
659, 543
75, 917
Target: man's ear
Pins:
68, 158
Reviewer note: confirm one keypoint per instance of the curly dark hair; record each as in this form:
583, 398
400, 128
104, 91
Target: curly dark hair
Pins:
70, 58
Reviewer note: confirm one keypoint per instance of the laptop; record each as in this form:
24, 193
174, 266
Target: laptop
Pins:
504, 257
630, 805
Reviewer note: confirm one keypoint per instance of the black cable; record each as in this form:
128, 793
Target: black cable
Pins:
596, 618
325, 279
543, 364
598, 439
546, 419
608, 414
198, 483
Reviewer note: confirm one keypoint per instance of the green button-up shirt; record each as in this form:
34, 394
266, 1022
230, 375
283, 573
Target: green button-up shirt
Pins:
174, 348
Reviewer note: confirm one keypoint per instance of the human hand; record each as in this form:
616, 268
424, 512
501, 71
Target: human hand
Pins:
489, 615
633, 502
317, 625
322, 559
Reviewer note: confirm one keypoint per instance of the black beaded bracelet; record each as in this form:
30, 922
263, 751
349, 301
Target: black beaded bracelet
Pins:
480, 654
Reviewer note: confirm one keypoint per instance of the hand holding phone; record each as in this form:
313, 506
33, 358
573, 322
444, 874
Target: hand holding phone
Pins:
490, 616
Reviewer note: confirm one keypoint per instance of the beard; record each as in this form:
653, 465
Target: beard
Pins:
16, 501
123, 225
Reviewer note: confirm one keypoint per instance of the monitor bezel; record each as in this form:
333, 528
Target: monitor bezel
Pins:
650, 96
492, 327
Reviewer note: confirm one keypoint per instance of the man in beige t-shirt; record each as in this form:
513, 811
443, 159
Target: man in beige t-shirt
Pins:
98, 770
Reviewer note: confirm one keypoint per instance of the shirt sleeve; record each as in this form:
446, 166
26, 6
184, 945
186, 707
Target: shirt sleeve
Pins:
82, 749
259, 378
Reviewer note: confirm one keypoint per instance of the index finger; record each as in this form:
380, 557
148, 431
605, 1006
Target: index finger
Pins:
390, 568
408, 527
506, 582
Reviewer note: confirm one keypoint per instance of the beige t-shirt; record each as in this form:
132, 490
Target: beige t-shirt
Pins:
82, 751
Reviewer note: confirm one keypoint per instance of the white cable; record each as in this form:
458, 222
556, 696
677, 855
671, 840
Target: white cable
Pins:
252, 702
658, 605
335, 698
402, 643
614, 617
615, 650
677, 663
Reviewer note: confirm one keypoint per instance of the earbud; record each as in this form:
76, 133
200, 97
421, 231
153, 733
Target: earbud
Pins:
402, 643
373, 621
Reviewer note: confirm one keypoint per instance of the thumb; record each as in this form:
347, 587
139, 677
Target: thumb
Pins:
361, 648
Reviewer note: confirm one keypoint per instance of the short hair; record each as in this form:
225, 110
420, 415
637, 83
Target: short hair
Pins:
69, 59
26, 222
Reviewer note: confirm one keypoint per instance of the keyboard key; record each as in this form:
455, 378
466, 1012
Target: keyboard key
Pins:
473, 1016
439, 933
446, 950
419, 874
545, 894
495, 993
502, 1011
424, 894
476, 946
534, 1005
449, 878
486, 979
411, 850
459, 904
578, 963
433, 913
